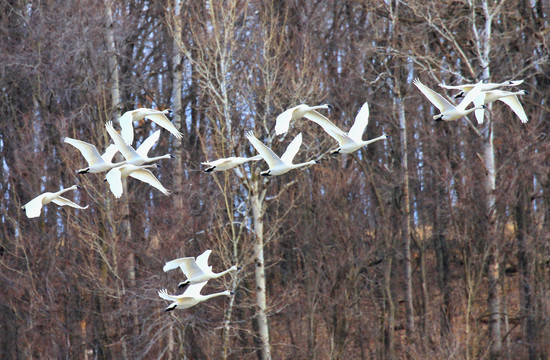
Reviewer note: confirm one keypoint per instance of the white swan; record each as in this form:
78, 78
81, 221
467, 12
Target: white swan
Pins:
197, 270
279, 165
228, 163
139, 156
158, 117
448, 111
114, 177
34, 207
508, 97
283, 120
485, 87
190, 297
96, 163
352, 140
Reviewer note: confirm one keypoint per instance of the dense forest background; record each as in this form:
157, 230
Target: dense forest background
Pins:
432, 245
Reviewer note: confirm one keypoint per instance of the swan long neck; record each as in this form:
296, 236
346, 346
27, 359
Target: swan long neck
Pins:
217, 275
381, 137
210, 296
62, 191
167, 156
120, 163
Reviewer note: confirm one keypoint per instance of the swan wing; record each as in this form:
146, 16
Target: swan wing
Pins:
34, 207
282, 122
109, 153
202, 261
164, 294
126, 122
514, 104
292, 149
61, 201
126, 150
322, 121
360, 124
88, 151
466, 87
147, 177
470, 96
437, 100
114, 178
161, 120
187, 265
193, 290
479, 113
147, 144
267, 154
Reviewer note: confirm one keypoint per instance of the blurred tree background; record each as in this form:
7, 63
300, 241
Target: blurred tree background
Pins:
432, 245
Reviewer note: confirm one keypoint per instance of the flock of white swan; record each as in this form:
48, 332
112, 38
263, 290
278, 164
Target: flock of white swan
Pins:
137, 162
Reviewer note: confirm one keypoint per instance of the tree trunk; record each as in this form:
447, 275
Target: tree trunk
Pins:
256, 200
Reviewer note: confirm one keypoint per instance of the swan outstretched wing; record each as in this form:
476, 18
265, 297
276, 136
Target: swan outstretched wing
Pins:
514, 104
187, 265
479, 113
282, 122
161, 120
193, 290
202, 261
34, 207
360, 124
126, 150
114, 178
292, 149
61, 201
437, 100
88, 151
147, 177
470, 96
267, 154
147, 144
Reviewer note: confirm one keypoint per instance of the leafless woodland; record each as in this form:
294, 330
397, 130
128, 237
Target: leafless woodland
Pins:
432, 245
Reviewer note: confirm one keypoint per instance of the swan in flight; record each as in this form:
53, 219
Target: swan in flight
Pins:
115, 175
352, 140
279, 165
190, 297
34, 207
283, 120
508, 97
139, 156
464, 89
448, 111
196, 270
228, 163
96, 163
158, 117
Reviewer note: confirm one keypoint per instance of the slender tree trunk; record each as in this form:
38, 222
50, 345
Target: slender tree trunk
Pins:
256, 200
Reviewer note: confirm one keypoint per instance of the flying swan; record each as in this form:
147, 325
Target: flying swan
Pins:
196, 270
279, 165
464, 89
190, 297
115, 175
96, 163
508, 97
283, 120
158, 117
228, 163
448, 111
34, 207
139, 156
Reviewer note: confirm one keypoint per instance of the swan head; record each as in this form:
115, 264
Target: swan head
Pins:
231, 293
23, 208
387, 136
266, 173
524, 92
83, 171
235, 268
171, 307
336, 151
210, 169
78, 187
438, 117
172, 156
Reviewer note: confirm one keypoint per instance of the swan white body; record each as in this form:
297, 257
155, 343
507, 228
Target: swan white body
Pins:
448, 111
278, 165
190, 297
126, 122
228, 163
352, 140
464, 89
96, 163
34, 207
196, 270
139, 156
282, 122
115, 175
508, 97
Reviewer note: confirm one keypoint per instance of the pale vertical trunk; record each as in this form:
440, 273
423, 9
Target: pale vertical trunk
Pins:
256, 202
177, 83
116, 106
406, 218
